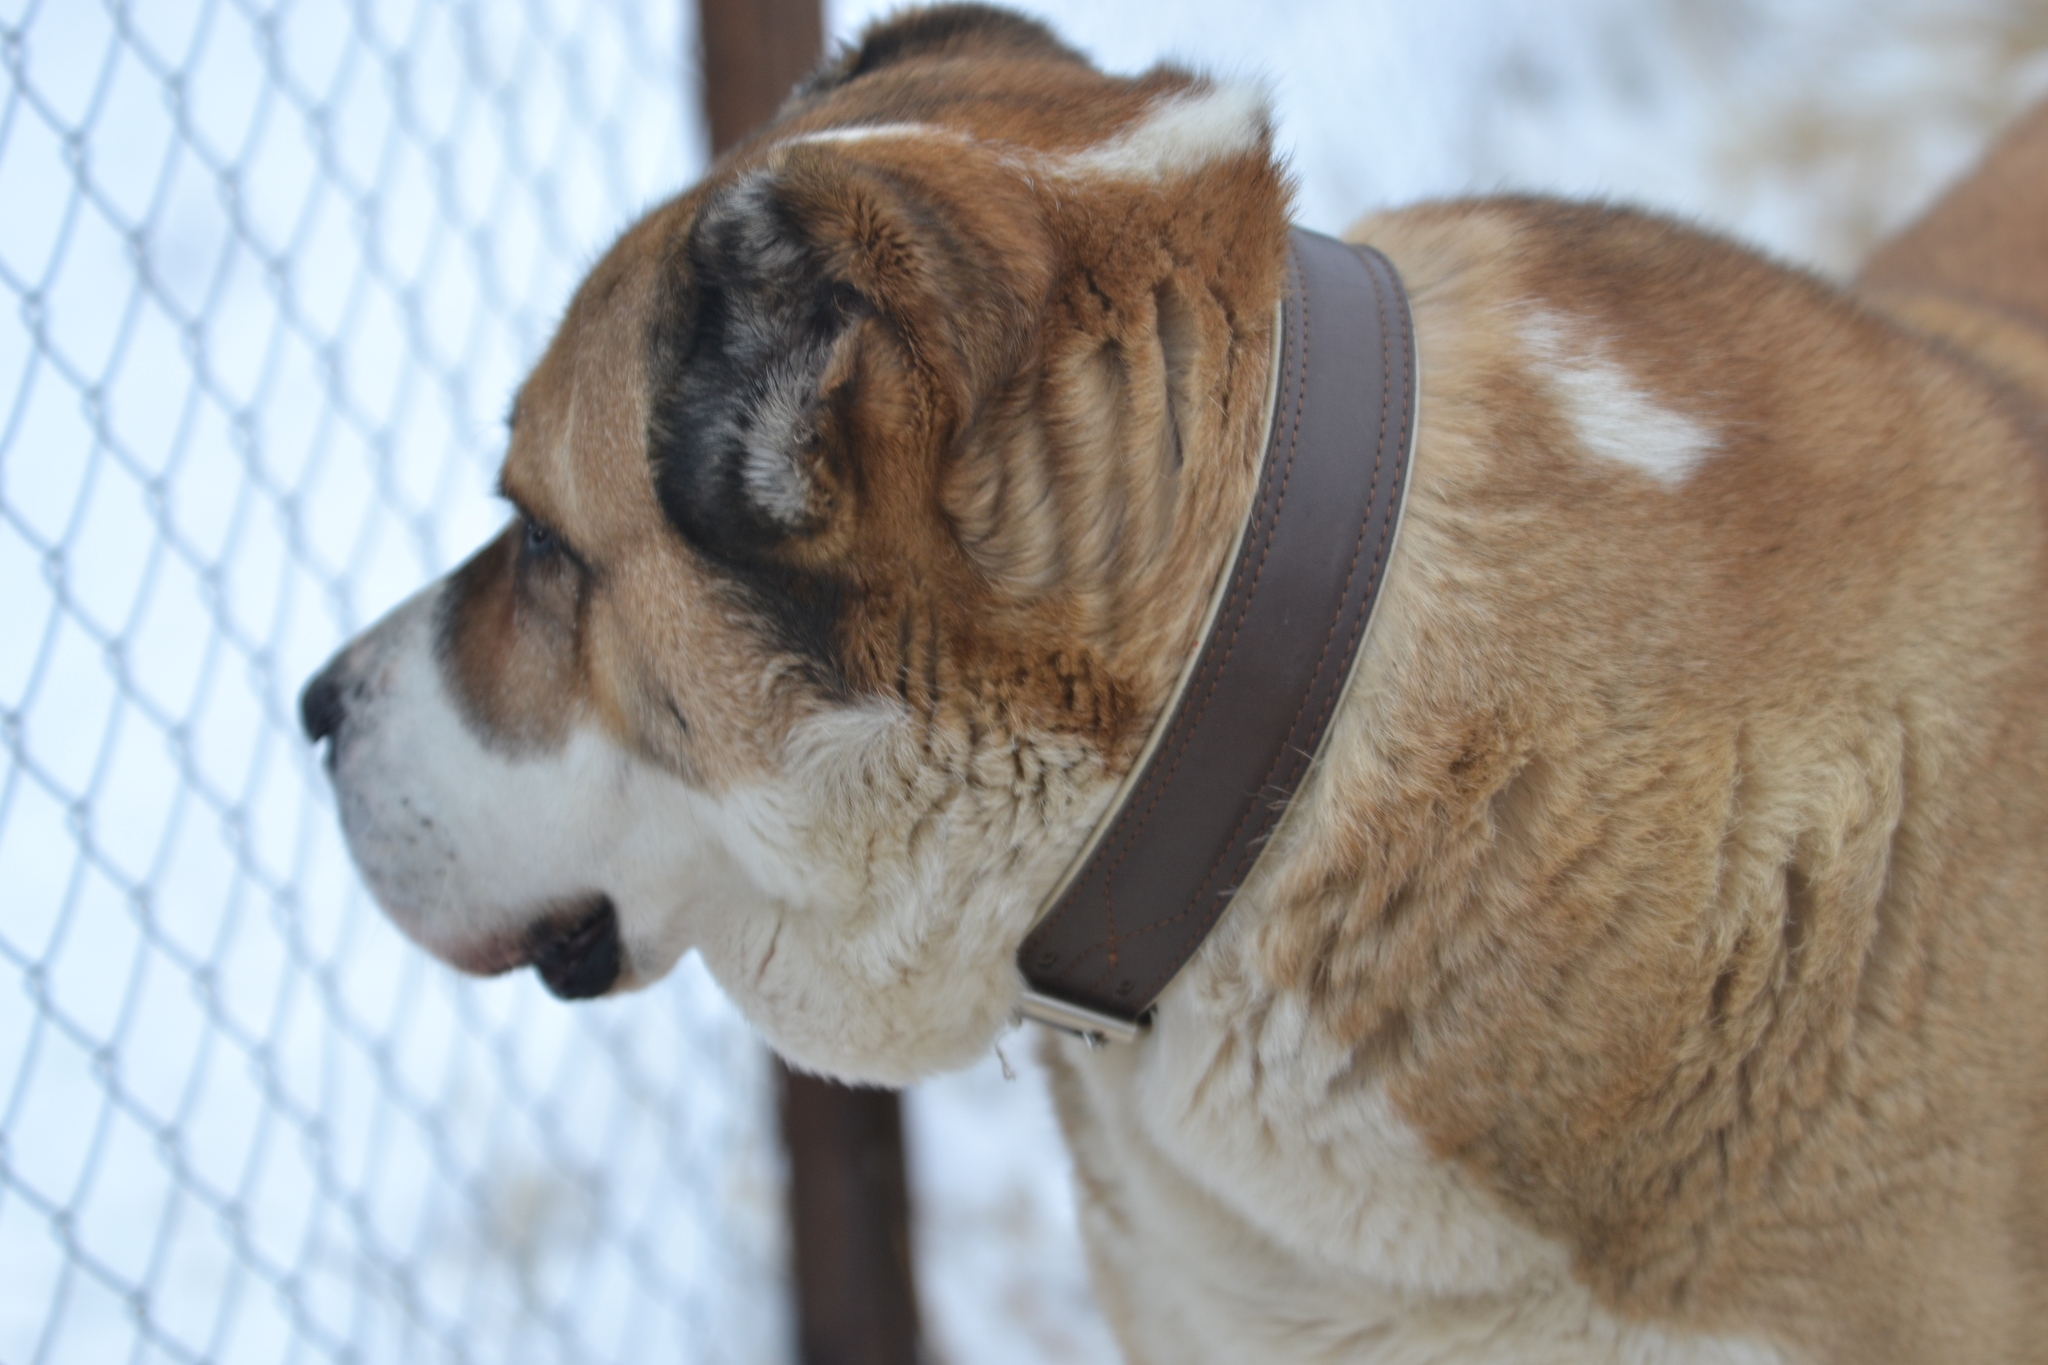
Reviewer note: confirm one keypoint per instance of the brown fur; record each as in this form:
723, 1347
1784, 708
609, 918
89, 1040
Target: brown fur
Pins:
1680, 872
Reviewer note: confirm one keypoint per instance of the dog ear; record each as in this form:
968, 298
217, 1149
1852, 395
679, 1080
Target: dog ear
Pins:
820, 318
939, 32
739, 348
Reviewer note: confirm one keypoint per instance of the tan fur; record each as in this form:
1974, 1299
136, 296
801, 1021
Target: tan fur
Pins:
1974, 270
1703, 838
1673, 873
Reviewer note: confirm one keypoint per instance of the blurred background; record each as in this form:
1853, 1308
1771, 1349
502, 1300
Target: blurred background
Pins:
268, 272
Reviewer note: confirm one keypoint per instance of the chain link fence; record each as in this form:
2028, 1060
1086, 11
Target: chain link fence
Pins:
268, 271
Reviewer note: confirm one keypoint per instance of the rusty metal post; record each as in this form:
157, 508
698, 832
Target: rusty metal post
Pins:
849, 1200
754, 51
850, 1223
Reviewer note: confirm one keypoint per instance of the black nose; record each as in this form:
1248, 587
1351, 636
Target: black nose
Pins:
577, 953
320, 705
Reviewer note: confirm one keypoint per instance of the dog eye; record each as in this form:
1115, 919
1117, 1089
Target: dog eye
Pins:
539, 541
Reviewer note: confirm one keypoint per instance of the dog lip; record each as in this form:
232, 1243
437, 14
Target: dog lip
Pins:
576, 949
494, 959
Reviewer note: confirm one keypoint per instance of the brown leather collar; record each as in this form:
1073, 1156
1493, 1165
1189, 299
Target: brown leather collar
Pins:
1252, 710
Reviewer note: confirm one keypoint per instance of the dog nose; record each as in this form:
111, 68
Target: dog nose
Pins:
579, 957
320, 705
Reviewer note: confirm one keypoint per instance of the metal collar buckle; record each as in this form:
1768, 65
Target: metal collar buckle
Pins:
1090, 1027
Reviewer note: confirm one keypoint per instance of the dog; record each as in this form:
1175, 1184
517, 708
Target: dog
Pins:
1653, 966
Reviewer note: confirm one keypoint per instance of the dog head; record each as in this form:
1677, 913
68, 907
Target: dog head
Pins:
866, 503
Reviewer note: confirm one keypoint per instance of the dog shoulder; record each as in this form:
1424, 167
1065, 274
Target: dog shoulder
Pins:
1705, 684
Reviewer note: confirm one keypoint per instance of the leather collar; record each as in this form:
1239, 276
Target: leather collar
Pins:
1253, 705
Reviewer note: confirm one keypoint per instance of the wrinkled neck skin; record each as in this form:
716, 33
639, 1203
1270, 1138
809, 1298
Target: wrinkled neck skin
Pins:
889, 955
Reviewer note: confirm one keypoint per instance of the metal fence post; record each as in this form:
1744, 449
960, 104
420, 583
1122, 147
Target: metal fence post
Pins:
753, 52
850, 1224
849, 1204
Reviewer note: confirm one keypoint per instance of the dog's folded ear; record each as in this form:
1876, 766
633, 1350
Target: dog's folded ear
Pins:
822, 319
940, 31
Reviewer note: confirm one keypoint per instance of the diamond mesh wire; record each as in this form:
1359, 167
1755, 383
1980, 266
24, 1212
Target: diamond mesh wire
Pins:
268, 269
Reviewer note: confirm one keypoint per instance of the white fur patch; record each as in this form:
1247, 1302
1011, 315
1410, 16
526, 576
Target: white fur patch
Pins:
1180, 134
873, 132
1613, 418
896, 885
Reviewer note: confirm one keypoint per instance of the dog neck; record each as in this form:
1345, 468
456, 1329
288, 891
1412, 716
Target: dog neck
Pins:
1284, 626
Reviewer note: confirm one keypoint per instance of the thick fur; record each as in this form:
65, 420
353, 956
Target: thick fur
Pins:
1653, 968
